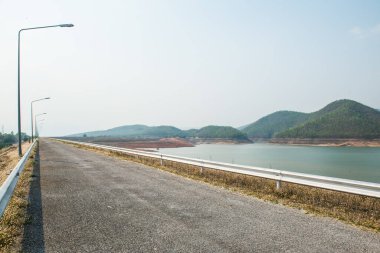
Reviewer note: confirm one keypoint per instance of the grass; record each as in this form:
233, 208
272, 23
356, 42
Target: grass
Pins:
354, 209
15, 216
8, 160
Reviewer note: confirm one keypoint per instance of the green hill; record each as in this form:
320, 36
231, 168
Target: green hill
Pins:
340, 119
218, 132
271, 124
136, 131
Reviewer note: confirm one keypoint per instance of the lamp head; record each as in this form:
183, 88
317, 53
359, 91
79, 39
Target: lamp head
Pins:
66, 25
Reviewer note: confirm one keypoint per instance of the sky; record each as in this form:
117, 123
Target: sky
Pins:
184, 63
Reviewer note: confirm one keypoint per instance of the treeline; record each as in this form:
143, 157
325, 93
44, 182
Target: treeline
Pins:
7, 140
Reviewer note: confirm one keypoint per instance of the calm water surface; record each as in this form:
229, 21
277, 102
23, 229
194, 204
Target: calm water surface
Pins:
345, 162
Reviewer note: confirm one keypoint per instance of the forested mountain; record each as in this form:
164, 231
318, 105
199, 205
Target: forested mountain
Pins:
340, 119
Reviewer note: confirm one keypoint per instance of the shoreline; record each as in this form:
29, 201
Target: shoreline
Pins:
326, 142
197, 141
152, 144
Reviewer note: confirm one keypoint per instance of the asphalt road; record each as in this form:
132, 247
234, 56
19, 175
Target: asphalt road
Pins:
83, 201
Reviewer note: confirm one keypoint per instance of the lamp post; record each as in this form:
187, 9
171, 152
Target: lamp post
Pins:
18, 78
31, 111
35, 120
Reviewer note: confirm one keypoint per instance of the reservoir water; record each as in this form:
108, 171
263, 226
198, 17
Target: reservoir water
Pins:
357, 163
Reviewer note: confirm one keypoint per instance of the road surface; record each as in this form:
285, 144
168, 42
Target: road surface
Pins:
83, 201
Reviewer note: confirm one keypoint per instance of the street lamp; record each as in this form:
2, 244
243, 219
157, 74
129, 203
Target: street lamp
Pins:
31, 111
35, 120
18, 77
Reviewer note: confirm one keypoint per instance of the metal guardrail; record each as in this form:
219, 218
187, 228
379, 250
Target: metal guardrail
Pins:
7, 188
330, 183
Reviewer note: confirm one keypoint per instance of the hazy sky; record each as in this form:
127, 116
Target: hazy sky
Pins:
184, 63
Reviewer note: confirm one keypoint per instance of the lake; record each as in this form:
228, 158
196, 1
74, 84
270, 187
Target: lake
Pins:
357, 163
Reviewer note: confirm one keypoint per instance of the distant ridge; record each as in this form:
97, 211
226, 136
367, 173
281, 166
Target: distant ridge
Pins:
146, 132
340, 119
136, 131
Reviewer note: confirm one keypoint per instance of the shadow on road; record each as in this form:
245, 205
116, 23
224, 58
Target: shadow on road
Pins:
33, 240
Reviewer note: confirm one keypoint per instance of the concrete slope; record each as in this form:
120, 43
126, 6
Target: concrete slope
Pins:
87, 202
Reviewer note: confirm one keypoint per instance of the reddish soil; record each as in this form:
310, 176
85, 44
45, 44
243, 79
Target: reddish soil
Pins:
154, 144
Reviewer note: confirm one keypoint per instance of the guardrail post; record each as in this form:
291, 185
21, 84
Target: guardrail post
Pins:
162, 162
278, 184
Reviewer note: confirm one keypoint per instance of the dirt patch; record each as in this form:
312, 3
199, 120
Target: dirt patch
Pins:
4, 151
147, 144
9, 159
